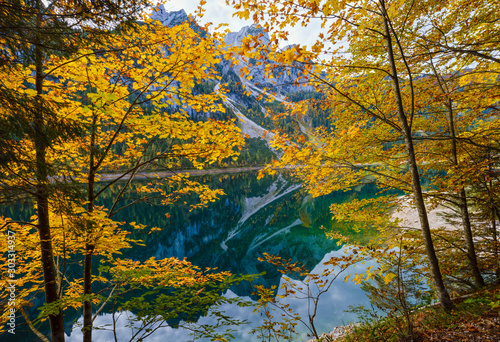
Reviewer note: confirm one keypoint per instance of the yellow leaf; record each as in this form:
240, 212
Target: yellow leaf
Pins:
388, 277
30, 92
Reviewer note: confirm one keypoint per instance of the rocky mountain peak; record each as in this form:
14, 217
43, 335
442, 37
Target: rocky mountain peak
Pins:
235, 38
169, 18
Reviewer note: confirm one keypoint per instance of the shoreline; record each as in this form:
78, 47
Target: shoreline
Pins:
163, 174
408, 218
439, 216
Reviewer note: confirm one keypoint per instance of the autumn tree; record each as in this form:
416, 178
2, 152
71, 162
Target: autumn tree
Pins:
458, 85
377, 91
460, 29
93, 89
161, 79
461, 56
35, 31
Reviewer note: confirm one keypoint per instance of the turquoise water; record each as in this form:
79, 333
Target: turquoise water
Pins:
272, 215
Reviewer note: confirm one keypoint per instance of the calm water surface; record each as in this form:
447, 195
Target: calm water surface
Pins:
272, 215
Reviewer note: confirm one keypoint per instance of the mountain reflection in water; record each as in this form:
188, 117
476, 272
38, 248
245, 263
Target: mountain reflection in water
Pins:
272, 215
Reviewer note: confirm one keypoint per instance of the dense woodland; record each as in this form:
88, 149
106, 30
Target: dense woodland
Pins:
399, 93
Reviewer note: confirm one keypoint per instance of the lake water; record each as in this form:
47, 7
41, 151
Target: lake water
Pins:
272, 215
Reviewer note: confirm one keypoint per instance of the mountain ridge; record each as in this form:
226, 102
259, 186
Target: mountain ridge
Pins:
248, 94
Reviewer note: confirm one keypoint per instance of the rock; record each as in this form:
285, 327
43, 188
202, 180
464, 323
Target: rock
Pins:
169, 18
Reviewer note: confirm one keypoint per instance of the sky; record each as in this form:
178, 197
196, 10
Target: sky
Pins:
218, 12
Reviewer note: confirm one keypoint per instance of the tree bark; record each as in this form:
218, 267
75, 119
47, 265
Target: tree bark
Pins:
464, 211
494, 237
56, 319
87, 290
89, 246
443, 295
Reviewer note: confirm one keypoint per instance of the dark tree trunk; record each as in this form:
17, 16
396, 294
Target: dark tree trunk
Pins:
89, 247
443, 295
87, 290
464, 211
494, 237
42, 193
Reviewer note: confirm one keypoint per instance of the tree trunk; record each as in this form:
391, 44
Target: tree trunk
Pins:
89, 247
443, 295
464, 211
42, 192
469, 240
494, 237
87, 290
